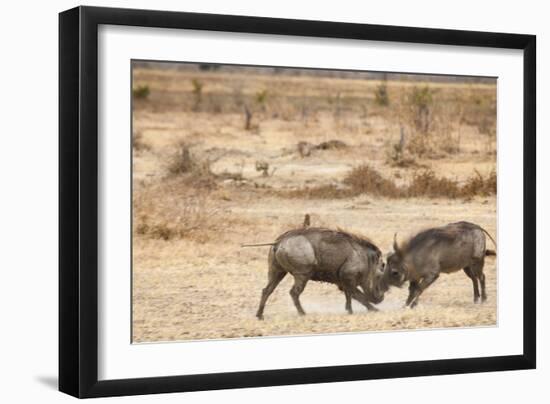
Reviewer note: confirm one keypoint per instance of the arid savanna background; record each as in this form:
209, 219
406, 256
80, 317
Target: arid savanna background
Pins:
228, 155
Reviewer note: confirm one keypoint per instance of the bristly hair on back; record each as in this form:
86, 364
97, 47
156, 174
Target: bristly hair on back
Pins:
339, 232
359, 238
444, 233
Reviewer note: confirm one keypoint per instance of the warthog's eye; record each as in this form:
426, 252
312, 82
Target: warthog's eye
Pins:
395, 273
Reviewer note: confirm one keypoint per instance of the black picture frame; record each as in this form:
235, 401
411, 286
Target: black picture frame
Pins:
78, 201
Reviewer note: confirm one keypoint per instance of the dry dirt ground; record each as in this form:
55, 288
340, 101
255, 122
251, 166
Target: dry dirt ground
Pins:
205, 285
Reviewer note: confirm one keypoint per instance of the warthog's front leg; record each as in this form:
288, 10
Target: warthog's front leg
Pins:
348, 302
413, 286
361, 298
420, 287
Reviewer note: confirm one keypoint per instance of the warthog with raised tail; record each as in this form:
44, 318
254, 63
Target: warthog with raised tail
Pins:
325, 255
444, 249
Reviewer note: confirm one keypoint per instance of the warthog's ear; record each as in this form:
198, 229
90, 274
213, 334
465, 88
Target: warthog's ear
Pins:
395, 245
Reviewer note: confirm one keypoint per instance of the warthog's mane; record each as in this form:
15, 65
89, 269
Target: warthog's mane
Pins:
338, 233
359, 239
447, 233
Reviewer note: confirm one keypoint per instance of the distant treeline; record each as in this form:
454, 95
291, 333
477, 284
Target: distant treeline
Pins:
294, 71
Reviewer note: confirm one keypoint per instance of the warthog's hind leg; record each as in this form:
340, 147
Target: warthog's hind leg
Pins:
473, 277
477, 271
483, 293
275, 276
297, 289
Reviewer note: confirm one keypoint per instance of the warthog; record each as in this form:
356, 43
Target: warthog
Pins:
325, 255
442, 249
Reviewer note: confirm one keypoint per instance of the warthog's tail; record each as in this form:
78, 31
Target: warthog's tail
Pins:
489, 252
257, 245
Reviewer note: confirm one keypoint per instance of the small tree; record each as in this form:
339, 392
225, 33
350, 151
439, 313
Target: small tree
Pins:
247, 118
197, 93
381, 96
261, 97
420, 100
263, 167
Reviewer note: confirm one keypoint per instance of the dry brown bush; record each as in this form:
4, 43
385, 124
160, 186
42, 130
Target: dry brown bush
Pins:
181, 162
138, 143
330, 191
185, 164
427, 183
172, 209
424, 183
365, 179
305, 149
478, 185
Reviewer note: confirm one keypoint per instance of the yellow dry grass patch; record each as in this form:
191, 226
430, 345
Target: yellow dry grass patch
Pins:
188, 290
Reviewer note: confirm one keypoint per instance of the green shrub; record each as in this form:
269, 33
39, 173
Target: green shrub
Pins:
197, 93
141, 92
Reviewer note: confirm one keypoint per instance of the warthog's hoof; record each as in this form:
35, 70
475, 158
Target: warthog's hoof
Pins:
260, 316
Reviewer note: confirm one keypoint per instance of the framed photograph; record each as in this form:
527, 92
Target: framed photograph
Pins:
251, 201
